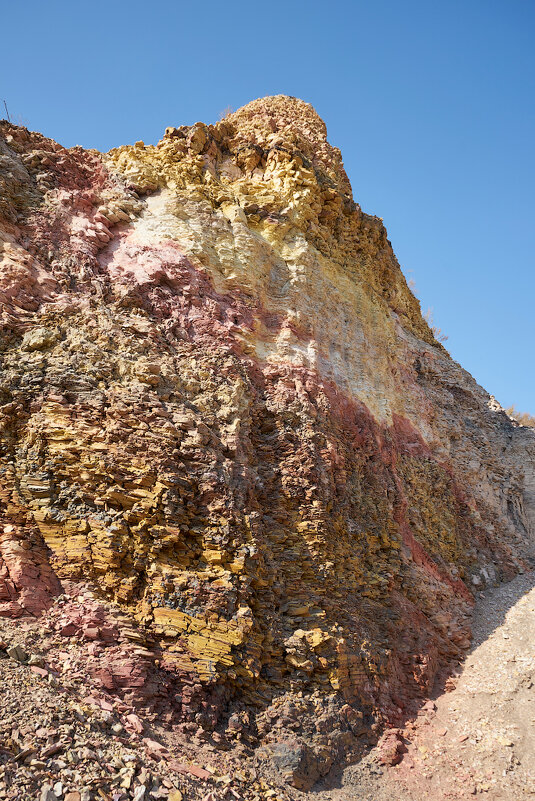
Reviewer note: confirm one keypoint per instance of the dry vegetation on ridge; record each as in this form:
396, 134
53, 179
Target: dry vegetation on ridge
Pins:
523, 418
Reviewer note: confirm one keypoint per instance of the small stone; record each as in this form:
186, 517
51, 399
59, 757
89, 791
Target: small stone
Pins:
175, 795
73, 796
26, 752
135, 723
47, 793
68, 630
154, 749
18, 653
506, 742
183, 767
39, 671
55, 748
39, 338
91, 633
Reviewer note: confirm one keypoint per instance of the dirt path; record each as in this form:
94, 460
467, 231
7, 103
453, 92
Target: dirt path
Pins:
480, 736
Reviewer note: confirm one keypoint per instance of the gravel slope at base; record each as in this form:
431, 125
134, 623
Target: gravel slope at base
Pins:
57, 731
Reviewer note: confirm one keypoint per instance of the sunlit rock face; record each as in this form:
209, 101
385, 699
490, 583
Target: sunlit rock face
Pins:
222, 409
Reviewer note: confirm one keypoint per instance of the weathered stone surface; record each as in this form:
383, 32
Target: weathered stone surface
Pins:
17, 653
220, 408
296, 762
390, 748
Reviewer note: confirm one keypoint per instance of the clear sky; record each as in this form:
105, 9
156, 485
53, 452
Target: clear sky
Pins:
431, 103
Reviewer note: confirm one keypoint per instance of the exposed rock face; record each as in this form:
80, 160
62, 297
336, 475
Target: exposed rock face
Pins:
221, 407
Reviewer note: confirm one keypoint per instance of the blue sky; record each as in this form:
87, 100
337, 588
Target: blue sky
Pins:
431, 103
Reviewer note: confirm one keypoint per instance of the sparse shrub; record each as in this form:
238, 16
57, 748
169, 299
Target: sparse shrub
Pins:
438, 333
226, 112
523, 418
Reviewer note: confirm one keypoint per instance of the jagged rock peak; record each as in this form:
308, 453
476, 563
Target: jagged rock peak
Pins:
281, 112
279, 121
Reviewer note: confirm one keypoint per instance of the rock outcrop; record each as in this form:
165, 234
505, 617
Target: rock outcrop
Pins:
222, 410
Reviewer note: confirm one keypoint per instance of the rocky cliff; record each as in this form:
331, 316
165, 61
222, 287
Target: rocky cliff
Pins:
222, 413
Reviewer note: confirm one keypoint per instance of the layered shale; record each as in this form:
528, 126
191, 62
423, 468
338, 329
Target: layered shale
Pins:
222, 411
